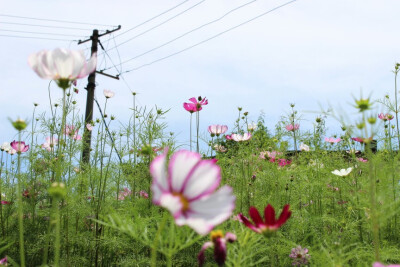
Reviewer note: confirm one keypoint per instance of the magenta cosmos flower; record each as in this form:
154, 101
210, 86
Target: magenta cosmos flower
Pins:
292, 128
62, 65
378, 264
19, 147
332, 140
196, 104
241, 138
218, 241
385, 117
270, 224
217, 129
186, 187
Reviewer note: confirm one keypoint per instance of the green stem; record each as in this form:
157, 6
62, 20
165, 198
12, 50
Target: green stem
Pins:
20, 208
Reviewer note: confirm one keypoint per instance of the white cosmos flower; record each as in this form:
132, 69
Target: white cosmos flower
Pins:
304, 147
5, 147
62, 64
108, 93
241, 138
187, 187
252, 126
343, 172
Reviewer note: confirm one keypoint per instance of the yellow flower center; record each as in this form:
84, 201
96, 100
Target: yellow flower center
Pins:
184, 201
216, 234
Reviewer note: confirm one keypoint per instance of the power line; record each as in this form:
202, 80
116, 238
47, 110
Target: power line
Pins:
45, 26
150, 19
41, 38
158, 25
47, 33
56, 20
191, 31
208, 39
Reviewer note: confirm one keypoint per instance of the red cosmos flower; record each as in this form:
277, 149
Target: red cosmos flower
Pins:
361, 140
196, 104
228, 137
270, 224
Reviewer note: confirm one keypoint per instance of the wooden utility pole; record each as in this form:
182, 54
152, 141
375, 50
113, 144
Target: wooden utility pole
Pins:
91, 86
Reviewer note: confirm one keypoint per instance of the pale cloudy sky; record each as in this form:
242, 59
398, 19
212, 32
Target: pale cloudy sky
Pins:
311, 52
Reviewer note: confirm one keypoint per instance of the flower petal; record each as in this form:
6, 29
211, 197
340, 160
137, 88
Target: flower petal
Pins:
180, 165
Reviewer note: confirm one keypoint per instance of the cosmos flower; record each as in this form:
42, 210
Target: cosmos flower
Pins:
187, 188
72, 132
228, 137
378, 264
5, 147
89, 127
108, 93
292, 128
332, 140
304, 147
241, 138
50, 143
220, 148
62, 65
19, 147
270, 224
342, 172
4, 261
300, 256
251, 127
385, 117
196, 104
218, 241
217, 129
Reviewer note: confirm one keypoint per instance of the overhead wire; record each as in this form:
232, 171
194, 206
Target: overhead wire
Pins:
152, 18
191, 31
45, 26
210, 38
42, 33
158, 25
40, 38
56, 20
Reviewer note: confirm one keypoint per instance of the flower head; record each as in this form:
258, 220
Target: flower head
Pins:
143, 194
4, 261
108, 93
241, 138
378, 264
19, 146
218, 241
50, 143
217, 129
251, 127
304, 147
62, 65
89, 127
332, 140
72, 132
292, 128
187, 188
228, 137
220, 148
5, 147
196, 104
300, 256
270, 224
342, 172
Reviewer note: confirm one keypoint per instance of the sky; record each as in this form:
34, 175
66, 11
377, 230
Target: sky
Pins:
316, 54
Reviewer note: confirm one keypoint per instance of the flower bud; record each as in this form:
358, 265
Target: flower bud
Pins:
19, 124
57, 190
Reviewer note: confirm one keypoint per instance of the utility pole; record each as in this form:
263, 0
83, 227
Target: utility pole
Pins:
91, 86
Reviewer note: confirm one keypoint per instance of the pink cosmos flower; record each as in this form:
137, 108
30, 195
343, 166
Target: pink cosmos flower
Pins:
196, 105
362, 160
385, 117
332, 140
143, 194
292, 128
108, 93
72, 132
19, 147
269, 224
4, 202
273, 154
4, 261
12, 151
378, 264
284, 162
187, 188
218, 241
228, 137
62, 64
217, 129
89, 127
241, 138
300, 256
361, 140
50, 143
124, 193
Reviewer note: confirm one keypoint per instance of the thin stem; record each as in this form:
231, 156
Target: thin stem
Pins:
20, 207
